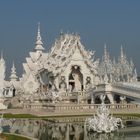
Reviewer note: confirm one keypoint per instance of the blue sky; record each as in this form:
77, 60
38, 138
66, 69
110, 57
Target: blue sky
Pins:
97, 21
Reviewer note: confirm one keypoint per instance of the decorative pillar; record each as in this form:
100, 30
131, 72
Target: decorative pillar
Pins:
67, 132
110, 97
92, 99
67, 81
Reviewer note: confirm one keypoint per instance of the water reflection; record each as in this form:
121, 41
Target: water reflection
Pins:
45, 130
106, 136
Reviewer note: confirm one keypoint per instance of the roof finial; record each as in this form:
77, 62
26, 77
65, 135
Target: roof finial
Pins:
39, 40
122, 54
38, 33
105, 53
13, 66
13, 76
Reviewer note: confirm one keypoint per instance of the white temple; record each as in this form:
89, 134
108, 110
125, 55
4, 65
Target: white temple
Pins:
69, 73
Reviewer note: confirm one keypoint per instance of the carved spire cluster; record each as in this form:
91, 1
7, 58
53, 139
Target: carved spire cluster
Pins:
105, 67
39, 43
121, 71
13, 76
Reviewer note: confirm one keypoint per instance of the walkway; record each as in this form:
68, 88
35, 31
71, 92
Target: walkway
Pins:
76, 110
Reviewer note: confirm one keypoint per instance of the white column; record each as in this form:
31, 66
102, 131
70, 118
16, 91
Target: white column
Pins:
110, 97
67, 81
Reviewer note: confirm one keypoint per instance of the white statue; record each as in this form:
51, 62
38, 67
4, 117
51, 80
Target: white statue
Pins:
103, 121
77, 82
88, 85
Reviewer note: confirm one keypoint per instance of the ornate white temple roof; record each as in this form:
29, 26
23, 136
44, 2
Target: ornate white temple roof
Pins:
63, 50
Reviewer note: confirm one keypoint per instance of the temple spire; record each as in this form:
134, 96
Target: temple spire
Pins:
39, 44
13, 76
105, 53
131, 63
1, 54
122, 54
2, 69
38, 32
1, 57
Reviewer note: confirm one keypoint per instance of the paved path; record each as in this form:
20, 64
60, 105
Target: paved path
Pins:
66, 113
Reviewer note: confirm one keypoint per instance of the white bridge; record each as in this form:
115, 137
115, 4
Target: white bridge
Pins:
131, 90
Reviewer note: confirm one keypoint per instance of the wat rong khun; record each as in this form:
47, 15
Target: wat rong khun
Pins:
68, 81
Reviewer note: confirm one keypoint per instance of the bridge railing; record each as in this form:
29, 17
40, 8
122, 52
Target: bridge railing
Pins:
127, 86
93, 107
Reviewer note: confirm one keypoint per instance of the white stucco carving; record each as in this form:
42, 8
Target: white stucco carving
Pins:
66, 73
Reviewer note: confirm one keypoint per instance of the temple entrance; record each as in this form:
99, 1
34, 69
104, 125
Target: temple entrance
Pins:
45, 80
75, 79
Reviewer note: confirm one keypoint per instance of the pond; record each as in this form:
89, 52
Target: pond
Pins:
54, 130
